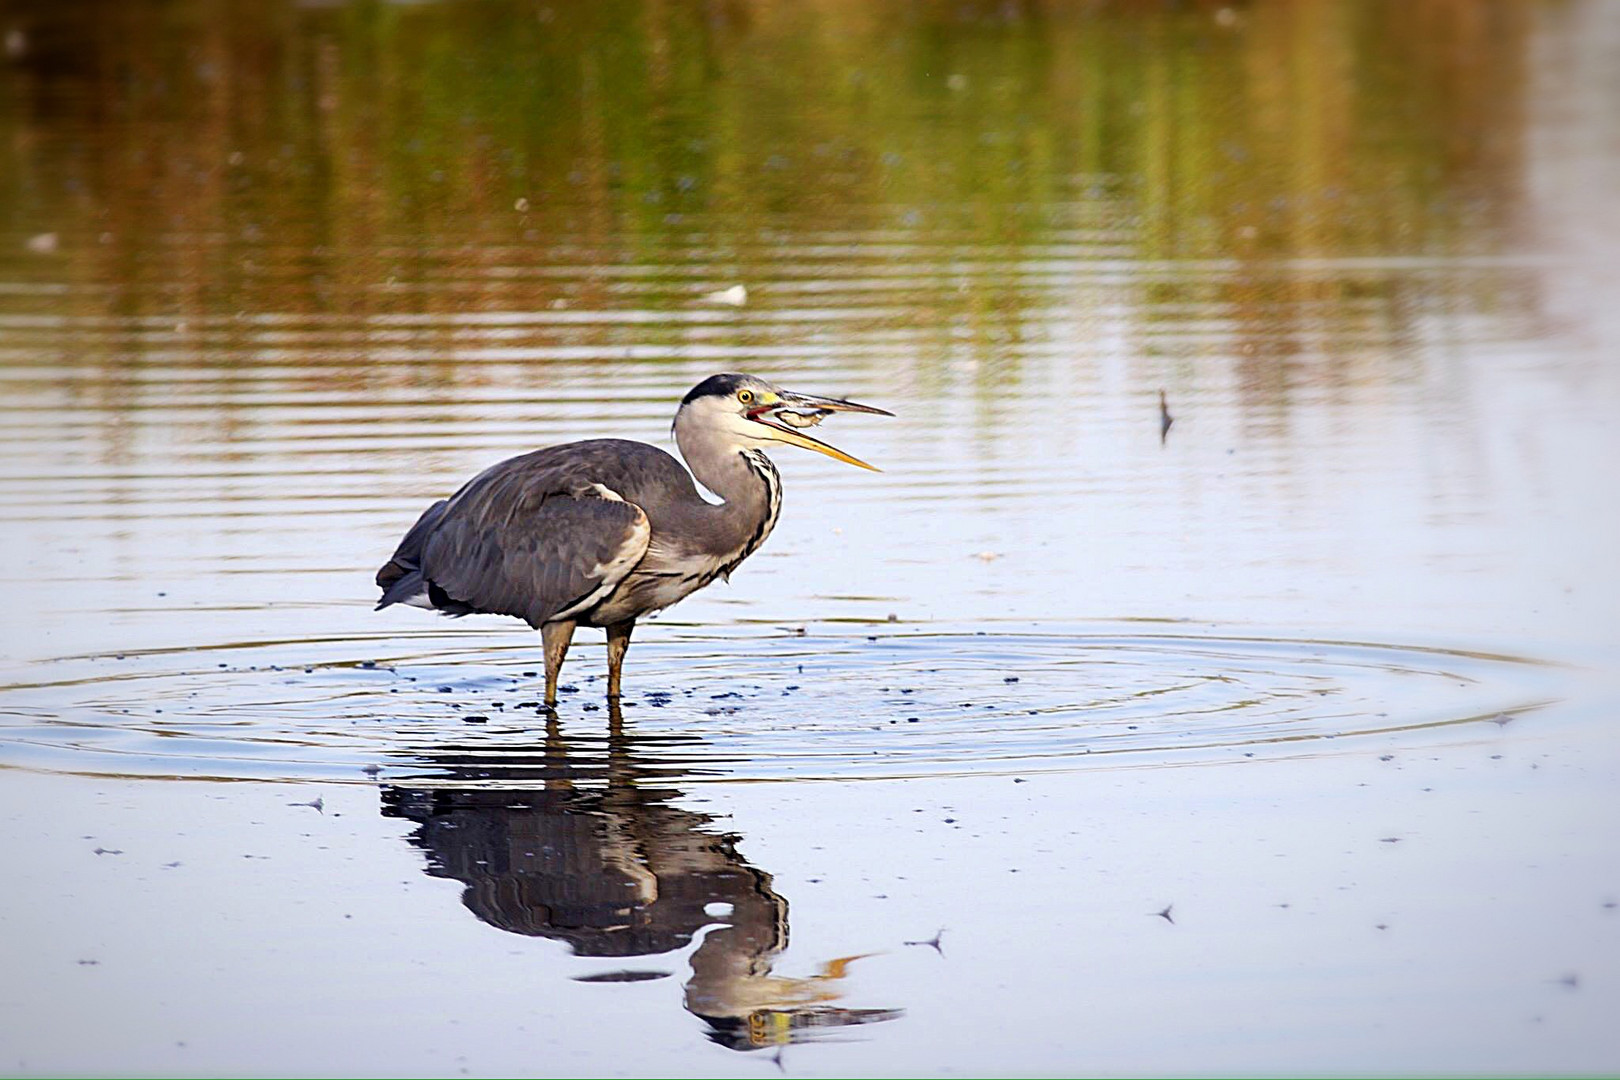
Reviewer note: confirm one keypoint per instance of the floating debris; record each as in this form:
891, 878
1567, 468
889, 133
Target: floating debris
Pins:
735, 296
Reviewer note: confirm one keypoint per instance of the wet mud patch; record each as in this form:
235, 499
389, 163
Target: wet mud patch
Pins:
751, 705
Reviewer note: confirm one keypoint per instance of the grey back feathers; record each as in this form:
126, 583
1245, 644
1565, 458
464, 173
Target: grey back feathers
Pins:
555, 533
533, 536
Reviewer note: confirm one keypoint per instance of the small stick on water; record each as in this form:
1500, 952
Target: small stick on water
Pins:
1165, 419
318, 804
932, 943
1165, 914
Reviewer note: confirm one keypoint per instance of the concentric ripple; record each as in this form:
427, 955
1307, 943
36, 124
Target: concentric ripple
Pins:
463, 706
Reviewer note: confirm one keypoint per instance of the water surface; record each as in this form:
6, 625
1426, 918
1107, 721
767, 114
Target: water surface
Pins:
1326, 666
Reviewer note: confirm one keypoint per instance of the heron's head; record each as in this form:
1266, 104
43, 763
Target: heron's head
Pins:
747, 412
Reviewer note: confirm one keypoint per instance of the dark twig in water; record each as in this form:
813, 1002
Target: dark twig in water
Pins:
1165, 419
1165, 914
932, 943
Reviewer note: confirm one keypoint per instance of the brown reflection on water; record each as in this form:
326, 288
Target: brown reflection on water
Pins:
588, 846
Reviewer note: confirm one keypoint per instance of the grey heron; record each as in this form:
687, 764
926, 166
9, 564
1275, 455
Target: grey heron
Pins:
601, 532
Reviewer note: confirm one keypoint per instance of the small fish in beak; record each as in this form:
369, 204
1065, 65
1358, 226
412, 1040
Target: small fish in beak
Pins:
801, 418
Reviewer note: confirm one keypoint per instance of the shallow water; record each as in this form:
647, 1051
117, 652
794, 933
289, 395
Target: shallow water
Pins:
825, 706
1327, 666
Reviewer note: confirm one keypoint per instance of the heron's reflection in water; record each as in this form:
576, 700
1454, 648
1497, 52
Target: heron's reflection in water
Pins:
585, 844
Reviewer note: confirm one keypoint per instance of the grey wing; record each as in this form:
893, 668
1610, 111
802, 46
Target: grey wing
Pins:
534, 540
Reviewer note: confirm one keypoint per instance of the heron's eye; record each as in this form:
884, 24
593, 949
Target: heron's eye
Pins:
745, 396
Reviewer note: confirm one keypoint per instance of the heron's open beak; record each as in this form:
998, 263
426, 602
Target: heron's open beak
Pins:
809, 405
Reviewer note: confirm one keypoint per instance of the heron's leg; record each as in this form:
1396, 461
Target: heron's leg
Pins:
618, 643
555, 636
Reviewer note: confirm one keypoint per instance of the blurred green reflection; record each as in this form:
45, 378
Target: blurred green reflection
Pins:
361, 159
